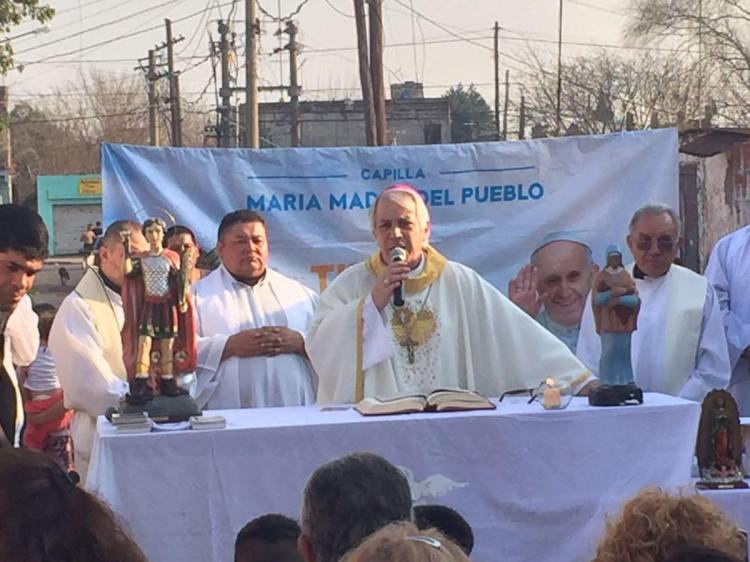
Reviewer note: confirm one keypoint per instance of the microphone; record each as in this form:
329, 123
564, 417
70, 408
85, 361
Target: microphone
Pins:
398, 254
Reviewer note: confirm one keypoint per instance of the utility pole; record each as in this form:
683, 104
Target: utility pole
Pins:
294, 88
497, 81
522, 119
251, 120
505, 106
558, 120
6, 186
376, 69
153, 100
365, 78
174, 87
225, 127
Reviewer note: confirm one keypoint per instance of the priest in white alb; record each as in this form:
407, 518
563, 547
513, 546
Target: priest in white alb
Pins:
453, 330
85, 340
679, 347
728, 272
252, 323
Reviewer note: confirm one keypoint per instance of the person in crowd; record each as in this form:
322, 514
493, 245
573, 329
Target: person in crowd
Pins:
47, 420
654, 524
448, 521
85, 339
553, 287
679, 347
23, 249
179, 237
252, 323
347, 499
98, 229
728, 272
44, 516
453, 330
88, 238
268, 538
404, 542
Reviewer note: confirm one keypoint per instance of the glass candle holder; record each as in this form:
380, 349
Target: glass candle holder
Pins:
554, 394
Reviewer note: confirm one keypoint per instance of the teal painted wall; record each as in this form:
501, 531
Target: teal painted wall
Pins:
60, 190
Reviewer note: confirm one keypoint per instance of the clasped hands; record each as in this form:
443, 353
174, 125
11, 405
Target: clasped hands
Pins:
268, 341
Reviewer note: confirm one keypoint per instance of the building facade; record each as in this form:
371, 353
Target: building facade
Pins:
67, 204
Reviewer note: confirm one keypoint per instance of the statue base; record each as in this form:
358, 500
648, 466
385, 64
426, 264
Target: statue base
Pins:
708, 485
163, 409
616, 395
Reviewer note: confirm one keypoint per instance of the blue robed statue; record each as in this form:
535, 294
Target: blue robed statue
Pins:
616, 304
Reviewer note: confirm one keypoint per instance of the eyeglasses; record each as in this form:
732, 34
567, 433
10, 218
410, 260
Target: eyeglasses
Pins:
663, 243
519, 392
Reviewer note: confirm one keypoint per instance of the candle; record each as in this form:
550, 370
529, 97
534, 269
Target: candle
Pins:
551, 398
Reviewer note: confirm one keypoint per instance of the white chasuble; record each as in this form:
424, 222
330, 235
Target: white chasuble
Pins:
455, 330
225, 306
86, 347
677, 348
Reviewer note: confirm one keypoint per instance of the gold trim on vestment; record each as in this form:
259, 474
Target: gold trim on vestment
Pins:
433, 267
580, 379
359, 388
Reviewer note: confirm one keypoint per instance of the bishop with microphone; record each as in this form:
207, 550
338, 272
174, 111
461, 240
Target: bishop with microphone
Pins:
407, 321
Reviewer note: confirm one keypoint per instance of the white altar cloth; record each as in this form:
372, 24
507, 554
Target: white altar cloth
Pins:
534, 484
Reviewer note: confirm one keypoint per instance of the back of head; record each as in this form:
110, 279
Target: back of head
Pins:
347, 499
268, 538
448, 521
44, 516
403, 542
654, 524
699, 554
112, 234
23, 231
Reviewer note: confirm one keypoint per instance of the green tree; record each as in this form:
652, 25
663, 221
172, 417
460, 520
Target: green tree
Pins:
471, 117
13, 13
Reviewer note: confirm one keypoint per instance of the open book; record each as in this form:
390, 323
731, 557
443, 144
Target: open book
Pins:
442, 400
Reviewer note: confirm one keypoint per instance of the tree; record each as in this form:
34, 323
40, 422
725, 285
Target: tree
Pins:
605, 92
717, 30
471, 117
12, 13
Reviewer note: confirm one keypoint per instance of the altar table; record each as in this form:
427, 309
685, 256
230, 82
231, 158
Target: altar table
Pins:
533, 484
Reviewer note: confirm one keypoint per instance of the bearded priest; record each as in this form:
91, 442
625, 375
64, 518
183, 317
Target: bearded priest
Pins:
453, 329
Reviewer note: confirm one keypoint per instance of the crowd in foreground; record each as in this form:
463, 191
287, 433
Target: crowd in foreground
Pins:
357, 508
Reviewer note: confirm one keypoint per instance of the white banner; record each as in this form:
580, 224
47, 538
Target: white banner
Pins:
491, 203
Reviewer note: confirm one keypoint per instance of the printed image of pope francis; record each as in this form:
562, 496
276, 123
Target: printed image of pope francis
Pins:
454, 330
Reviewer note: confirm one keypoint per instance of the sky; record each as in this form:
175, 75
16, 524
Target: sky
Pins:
437, 42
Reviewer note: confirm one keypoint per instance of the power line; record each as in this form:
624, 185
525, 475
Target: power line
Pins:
71, 23
97, 27
118, 38
607, 10
339, 12
78, 118
279, 19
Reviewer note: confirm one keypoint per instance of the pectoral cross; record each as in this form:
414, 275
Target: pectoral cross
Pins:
410, 346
